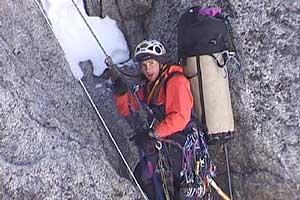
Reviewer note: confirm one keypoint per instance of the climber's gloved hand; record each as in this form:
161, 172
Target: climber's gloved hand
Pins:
139, 139
119, 87
108, 61
110, 73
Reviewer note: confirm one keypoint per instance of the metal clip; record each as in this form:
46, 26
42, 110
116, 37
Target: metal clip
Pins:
135, 88
158, 145
152, 123
231, 56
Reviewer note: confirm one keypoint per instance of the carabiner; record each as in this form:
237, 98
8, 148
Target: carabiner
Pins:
135, 88
158, 145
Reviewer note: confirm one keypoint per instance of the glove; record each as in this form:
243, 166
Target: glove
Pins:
144, 142
138, 139
110, 73
108, 61
142, 138
119, 86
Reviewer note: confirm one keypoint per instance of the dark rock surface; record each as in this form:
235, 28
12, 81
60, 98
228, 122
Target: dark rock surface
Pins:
130, 15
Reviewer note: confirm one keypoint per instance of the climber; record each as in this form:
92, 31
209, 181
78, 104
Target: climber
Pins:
166, 92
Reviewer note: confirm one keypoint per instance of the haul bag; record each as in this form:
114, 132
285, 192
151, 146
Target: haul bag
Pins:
203, 38
209, 84
201, 34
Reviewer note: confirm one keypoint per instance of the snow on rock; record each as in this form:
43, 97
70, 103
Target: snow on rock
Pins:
78, 41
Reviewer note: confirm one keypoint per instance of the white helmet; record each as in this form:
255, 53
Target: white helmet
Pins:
150, 49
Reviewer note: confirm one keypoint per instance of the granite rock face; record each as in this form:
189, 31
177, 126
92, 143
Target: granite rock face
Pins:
265, 153
130, 15
52, 145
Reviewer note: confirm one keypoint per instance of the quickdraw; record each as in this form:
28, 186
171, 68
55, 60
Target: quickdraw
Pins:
196, 166
198, 170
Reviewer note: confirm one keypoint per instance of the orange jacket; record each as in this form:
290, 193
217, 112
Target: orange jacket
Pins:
177, 98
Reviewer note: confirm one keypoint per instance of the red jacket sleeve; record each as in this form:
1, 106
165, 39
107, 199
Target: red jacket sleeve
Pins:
122, 103
179, 103
126, 102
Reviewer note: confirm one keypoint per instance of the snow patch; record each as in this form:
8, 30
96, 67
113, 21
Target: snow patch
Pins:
77, 40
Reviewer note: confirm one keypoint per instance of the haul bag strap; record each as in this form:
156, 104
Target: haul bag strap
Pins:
153, 93
219, 64
203, 121
163, 81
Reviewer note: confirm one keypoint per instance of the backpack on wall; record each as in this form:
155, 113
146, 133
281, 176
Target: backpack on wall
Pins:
205, 48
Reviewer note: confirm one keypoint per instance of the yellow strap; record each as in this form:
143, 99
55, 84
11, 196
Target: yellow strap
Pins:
218, 189
163, 73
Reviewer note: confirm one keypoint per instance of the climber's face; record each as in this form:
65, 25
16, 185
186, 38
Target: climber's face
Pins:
150, 69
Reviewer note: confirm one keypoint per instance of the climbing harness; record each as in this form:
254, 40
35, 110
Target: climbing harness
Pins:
163, 167
98, 113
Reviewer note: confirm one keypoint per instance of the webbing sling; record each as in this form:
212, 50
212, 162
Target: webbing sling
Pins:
153, 92
152, 97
